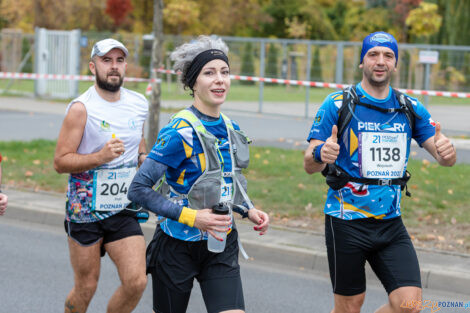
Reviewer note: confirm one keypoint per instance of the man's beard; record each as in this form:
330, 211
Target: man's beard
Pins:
109, 86
377, 83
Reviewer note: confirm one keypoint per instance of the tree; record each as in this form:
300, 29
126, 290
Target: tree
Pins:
142, 16
315, 70
360, 22
118, 10
157, 60
424, 21
17, 14
232, 17
248, 66
296, 18
273, 55
456, 22
181, 17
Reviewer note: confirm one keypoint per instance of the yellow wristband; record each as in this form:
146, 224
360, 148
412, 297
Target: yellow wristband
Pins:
187, 216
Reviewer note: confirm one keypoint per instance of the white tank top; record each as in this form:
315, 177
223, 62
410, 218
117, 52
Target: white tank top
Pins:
124, 118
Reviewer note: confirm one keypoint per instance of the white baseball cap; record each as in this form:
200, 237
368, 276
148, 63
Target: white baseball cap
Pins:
104, 46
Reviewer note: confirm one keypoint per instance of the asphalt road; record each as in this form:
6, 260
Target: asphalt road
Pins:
36, 276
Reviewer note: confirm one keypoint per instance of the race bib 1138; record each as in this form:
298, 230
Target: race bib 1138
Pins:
382, 155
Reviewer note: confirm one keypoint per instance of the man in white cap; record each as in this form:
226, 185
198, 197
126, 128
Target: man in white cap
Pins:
100, 144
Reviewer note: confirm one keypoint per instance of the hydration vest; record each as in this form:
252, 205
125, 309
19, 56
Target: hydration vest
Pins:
336, 177
206, 190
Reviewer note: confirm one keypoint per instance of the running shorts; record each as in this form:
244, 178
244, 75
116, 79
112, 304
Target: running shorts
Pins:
385, 244
174, 264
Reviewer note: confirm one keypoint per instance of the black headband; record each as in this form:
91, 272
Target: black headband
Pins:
198, 63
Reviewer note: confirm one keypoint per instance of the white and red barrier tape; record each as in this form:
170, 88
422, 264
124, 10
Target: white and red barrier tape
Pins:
334, 86
9, 75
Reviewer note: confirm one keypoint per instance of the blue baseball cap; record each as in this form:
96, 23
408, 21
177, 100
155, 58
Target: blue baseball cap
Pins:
381, 39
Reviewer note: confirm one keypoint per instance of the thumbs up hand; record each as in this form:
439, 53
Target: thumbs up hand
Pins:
330, 150
444, 148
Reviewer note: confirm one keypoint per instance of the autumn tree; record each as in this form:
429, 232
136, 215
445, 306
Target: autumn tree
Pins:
118, 10
17, 14
424, 21
181, 17
232, 17
141, 16
401, 10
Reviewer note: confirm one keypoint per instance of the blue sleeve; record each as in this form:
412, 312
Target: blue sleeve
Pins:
424, 127
168, 148
326, 117
141, 190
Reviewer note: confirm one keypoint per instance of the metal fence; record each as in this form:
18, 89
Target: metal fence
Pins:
310, 60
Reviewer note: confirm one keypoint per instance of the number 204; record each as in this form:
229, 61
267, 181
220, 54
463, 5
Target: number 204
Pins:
113, 189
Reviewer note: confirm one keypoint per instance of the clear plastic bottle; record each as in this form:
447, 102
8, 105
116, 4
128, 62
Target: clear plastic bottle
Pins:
214, 245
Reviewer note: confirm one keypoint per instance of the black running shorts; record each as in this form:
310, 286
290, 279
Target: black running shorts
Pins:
175, 263
385, 244
113, 228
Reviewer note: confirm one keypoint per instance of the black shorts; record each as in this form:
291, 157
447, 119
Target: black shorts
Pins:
175, 263
116, 227
385, 244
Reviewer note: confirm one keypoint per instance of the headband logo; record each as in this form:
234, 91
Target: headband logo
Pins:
381, 38
216, 52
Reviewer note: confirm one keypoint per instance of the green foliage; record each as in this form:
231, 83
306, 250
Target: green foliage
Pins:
456, 22
424, 20
271, 66
248, 63
360, 22
181, 16
315, 69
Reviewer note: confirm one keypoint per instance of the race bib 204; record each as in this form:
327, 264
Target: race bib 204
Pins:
382, 155
110, 188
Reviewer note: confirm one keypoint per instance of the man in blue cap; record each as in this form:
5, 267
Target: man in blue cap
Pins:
360, 140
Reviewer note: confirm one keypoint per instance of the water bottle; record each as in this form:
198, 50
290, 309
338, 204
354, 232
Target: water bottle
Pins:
214, 245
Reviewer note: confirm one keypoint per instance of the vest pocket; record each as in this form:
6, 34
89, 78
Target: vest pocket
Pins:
241, 151
238, 198
205, 193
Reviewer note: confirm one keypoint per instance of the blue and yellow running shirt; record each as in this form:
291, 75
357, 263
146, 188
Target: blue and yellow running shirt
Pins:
178, 147
370, 138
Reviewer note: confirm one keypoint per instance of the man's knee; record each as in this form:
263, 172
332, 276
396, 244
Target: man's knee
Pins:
135, 283
348, 304
406, 300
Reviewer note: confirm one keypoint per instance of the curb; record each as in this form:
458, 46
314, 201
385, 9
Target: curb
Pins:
432, 277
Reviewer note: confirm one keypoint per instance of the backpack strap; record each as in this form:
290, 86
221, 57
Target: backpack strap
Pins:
407, 107
345, 112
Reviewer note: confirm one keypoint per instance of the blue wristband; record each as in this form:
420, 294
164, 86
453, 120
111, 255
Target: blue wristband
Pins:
317, 155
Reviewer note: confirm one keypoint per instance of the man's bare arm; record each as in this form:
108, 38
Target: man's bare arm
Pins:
66, 158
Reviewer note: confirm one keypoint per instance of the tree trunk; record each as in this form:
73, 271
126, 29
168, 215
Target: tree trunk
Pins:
157, 59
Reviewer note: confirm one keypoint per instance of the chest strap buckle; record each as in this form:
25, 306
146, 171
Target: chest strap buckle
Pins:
384, 182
